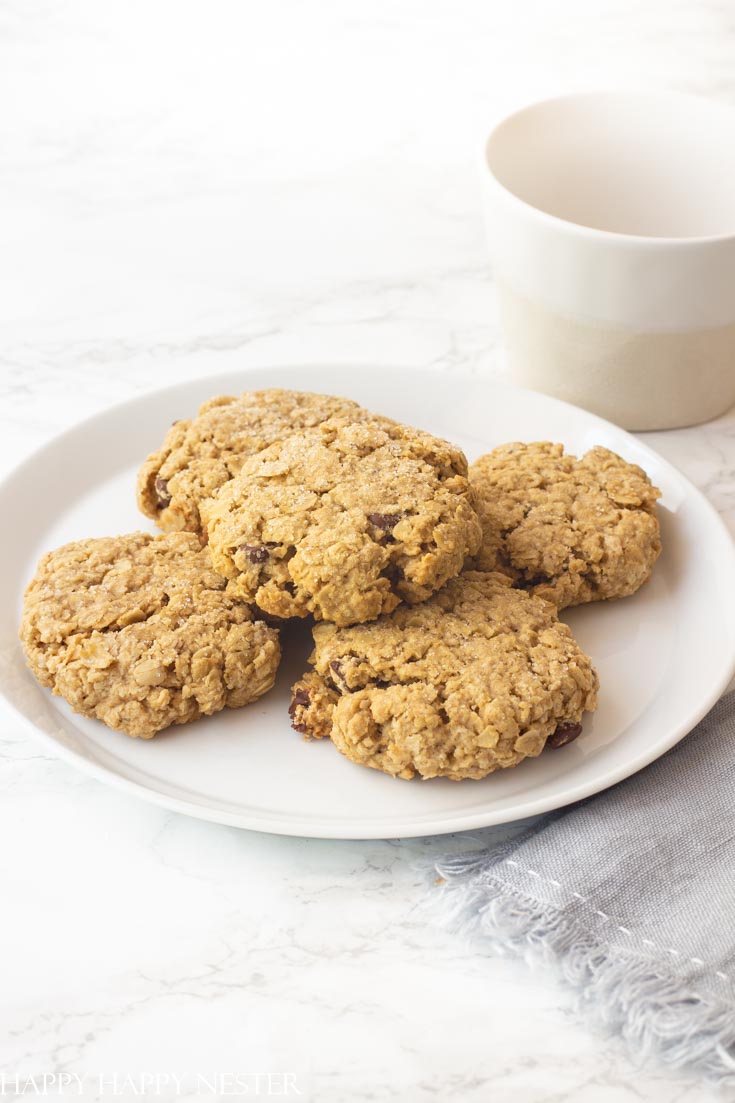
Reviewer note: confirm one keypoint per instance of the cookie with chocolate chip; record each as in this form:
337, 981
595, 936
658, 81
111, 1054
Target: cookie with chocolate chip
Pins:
474, 680
201, 454
344, 521
140, 632
570, 530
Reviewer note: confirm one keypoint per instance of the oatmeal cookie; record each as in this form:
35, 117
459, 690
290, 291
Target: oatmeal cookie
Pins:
139, 632
570, 530
344, 521
200, 455
476, 679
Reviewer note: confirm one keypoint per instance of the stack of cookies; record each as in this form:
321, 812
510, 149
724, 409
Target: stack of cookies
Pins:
433, 589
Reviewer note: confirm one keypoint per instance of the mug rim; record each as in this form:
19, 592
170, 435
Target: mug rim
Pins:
610, 236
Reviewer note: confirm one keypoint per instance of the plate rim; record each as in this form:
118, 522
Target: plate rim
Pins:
410, 829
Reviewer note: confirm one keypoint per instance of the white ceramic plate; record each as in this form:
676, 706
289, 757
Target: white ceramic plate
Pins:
664, 656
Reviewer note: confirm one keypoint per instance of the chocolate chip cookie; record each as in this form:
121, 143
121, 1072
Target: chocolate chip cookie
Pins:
344, 521
569, 530
474, 680
139, 632
200, 455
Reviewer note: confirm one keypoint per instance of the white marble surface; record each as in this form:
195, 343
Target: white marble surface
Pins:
186, 188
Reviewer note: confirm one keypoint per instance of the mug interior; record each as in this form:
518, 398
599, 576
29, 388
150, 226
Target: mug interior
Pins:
648, 164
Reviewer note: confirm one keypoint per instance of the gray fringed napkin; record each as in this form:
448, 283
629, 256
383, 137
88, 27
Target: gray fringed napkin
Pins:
631, 895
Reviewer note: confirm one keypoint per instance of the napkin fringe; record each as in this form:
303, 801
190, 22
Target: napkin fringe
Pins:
655, 1013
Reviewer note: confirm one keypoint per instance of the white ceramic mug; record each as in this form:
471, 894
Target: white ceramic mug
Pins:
611, 221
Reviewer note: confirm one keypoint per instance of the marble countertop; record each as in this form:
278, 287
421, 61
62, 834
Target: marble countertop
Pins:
189, 188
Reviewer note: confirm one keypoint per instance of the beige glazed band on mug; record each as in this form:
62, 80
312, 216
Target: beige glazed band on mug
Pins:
611, 222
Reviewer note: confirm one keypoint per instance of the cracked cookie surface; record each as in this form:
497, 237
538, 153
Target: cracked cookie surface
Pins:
201, 454
344, 521
474, 680
139, 632
570, 530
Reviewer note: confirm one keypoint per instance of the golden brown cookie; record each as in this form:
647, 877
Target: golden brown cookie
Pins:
344, 521
569, 530
139, 632
476, 679
200, 455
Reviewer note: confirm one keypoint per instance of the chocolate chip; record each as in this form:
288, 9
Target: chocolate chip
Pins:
385, 521
300, 699
564, 734
162, 495
256, 553
336, 667
530, 583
